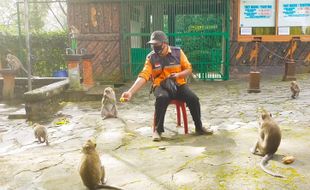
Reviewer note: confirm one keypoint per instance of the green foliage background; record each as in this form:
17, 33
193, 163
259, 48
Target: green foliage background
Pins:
47, 51
198, 47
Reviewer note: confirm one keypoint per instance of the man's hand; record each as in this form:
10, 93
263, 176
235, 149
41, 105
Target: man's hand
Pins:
181, 74
174, 75
126, 96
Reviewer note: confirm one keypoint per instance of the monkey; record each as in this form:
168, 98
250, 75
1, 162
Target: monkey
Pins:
108, 104
74, 32
294, 89
92, 172
40, 133
14, 63
268, 141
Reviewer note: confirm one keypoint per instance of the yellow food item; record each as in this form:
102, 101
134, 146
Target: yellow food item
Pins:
288, 159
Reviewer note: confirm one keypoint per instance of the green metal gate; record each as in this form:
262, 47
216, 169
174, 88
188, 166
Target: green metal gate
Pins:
199, 27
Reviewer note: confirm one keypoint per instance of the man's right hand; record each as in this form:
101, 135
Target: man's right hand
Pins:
126, 96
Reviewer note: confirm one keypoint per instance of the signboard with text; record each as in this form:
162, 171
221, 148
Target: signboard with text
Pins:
294, 13
257, 13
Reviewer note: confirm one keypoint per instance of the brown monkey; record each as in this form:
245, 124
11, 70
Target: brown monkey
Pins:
268, 141
74, 31
40, 133
108, 107
91, 170
14, 63
294, 89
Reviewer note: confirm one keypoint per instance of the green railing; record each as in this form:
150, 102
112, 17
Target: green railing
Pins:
138, 56
199, 27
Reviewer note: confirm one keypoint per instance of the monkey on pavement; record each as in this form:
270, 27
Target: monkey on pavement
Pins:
294, 89
40, 133
108, 107
268, 141
91, 170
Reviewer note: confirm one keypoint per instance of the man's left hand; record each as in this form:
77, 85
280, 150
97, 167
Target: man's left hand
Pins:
174, 75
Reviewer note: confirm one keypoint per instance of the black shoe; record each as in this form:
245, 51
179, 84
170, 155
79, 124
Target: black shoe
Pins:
204, 131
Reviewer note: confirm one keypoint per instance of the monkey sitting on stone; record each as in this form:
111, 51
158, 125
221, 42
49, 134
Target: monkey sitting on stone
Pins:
108, 107
40, 133
74, 31
91, 171
14, 63
294, 89
268, 141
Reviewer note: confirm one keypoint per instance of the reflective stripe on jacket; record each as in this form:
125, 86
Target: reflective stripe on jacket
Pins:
175, 61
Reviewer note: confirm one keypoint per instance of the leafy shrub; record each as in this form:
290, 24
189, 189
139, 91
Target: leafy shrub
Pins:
47, 51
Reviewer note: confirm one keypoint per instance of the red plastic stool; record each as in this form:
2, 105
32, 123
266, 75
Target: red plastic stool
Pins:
179, 104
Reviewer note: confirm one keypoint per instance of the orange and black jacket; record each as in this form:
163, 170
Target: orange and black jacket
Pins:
174, 61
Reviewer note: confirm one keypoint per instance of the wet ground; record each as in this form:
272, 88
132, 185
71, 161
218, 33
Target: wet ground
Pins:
132, 161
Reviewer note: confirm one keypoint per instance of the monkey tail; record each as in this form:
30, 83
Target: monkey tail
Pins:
108, 187
263, 164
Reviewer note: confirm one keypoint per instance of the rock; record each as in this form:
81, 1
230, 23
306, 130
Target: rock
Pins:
162, 148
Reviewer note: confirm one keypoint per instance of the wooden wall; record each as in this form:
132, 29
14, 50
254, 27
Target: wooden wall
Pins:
269, 55
99, 26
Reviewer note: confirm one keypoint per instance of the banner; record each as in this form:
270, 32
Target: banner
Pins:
257, 13
294, 13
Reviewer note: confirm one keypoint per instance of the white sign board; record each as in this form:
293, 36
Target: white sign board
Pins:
284, 30
246, 31
257, 13
294, 13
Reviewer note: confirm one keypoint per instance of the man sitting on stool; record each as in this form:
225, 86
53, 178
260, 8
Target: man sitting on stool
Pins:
167, 62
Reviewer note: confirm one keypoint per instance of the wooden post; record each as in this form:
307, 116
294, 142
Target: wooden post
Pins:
254, 82
290, 65
26, 6
73, 62
254, 76
88, 81
8, 84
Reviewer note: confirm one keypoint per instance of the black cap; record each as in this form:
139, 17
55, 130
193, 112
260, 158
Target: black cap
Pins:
158, 37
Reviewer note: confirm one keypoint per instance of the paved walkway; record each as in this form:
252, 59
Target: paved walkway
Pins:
221, 161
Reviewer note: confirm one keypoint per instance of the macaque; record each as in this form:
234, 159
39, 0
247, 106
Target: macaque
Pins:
13, 62
91, 171
108, 107
294, 89
268, 141
74, 31
40, 133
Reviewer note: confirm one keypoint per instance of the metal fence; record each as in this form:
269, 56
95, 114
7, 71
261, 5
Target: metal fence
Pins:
199, 27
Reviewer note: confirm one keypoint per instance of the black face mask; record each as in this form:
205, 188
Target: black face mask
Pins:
157, 49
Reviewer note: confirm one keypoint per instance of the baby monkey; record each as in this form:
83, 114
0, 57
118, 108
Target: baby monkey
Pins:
268, 141
294, 89
40, 132
91, 170
108, 107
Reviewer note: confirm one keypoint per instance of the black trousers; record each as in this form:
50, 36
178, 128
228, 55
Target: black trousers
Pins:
184, 94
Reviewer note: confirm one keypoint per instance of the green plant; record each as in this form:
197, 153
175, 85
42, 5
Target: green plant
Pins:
47, 51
